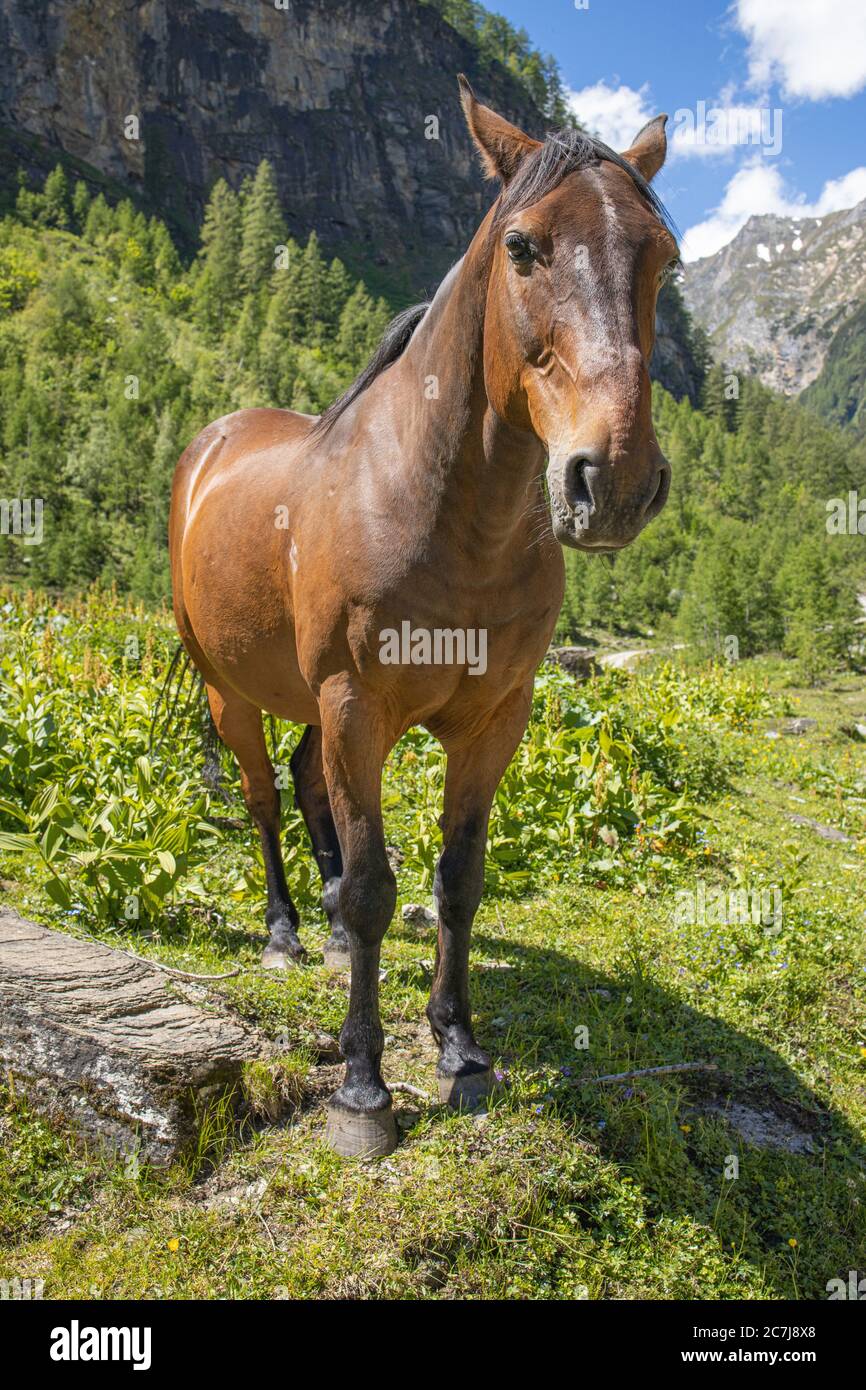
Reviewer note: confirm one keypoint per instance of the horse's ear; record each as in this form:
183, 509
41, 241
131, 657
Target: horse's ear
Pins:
502, 146
647, 154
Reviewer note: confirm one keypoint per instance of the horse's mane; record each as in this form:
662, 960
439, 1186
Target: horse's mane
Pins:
392, 345
563, 152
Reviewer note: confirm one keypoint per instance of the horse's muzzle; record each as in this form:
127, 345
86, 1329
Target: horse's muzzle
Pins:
596, 507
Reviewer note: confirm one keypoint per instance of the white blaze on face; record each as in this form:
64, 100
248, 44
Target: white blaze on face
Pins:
293, 557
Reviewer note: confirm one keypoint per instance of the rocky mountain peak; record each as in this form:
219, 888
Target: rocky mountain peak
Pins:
772, 300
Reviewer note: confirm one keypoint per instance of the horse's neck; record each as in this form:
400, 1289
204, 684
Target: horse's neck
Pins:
462, 466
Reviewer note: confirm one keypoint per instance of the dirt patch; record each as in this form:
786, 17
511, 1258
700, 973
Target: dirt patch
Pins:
765, 1129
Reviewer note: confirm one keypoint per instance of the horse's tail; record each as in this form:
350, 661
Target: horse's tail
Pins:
181, 695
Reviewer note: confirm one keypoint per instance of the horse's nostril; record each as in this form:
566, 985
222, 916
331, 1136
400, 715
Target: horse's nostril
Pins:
575, 484
660, 492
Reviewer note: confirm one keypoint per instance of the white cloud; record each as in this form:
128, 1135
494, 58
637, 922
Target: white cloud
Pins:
759, 188
812, 48
616, 114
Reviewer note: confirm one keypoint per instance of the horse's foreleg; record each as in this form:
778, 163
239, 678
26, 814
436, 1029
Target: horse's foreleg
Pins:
354, 747
239, 725
311, 795
473, 773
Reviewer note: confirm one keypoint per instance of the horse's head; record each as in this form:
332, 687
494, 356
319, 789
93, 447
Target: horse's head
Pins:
579, 250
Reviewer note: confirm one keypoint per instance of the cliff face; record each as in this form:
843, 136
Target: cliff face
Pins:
337, 94
773, 299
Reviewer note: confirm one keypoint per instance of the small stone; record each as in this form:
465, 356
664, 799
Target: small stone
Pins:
579, 662
327, 1048
799, 726
417, 915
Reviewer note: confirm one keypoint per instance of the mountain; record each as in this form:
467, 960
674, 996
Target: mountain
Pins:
783, 300
336, 94
838, 393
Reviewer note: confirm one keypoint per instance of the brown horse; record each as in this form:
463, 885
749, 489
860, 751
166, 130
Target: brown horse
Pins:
416, 506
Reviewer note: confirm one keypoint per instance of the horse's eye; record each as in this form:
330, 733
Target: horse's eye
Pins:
518, 248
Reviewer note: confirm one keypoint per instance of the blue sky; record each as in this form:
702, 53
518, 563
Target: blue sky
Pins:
626, 60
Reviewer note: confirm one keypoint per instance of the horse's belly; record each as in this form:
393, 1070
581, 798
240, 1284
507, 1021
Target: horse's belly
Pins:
239, 620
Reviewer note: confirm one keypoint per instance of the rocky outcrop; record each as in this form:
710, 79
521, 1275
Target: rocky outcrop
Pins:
773, 299
354, 103
344, 97
107, 1044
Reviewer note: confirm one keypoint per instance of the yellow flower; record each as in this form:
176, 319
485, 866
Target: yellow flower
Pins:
173, 1244
792, 1242
686, 1129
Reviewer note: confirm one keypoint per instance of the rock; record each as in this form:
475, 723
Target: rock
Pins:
395, 857
326, 1048
417, 915
773, 299
765, 1129
827, 832
855, 731
799, 726
579, 662
337, 96
105, 1042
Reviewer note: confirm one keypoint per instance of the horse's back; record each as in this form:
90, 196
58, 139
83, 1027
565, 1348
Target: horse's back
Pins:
242, 434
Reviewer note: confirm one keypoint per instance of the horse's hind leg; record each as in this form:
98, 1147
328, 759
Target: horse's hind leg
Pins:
474, 769
239, 725
311, 796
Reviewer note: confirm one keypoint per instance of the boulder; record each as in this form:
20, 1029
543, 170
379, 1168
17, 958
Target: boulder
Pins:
110, 1044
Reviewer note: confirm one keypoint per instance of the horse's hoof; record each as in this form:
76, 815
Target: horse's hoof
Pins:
275, 958
466, 1092
361, 1134
336, 956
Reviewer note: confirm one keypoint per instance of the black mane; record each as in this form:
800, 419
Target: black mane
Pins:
392, 345
563, 152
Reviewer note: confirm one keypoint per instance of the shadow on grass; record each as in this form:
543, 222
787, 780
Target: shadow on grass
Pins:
747, 1149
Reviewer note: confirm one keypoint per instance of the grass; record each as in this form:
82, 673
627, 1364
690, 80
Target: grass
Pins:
654, 1188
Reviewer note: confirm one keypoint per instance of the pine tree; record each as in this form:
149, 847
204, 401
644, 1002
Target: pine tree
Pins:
336, 291
362, 323
55, 196
720, 396
166, 262
263, 229
311, 289
99, 220
215, 293
80, 204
